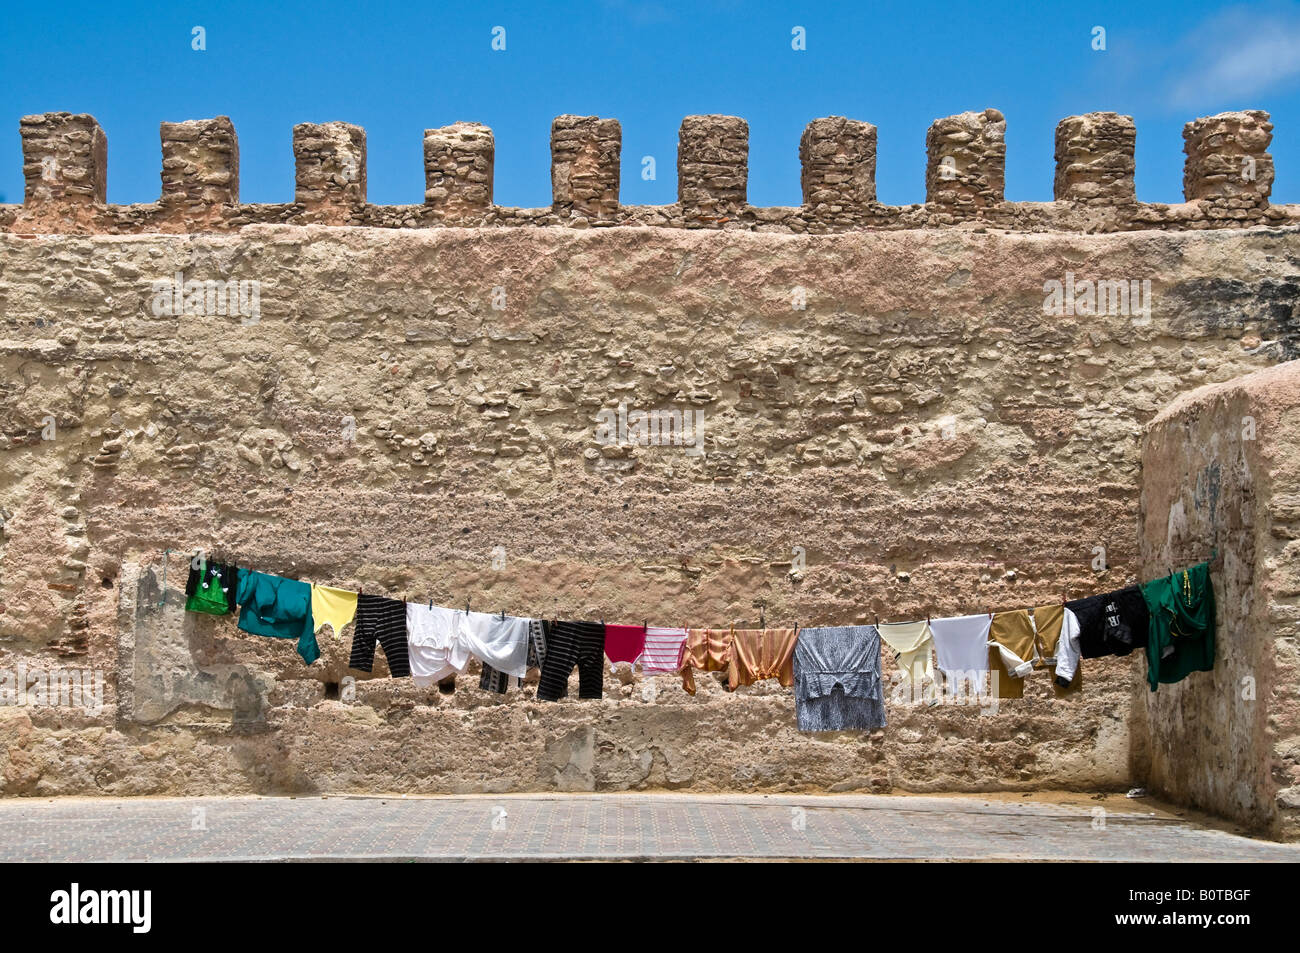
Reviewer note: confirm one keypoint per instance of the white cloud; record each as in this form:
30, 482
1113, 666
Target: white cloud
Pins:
1236, 55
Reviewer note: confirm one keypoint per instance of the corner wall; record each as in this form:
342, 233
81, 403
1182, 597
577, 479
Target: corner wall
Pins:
1221, 468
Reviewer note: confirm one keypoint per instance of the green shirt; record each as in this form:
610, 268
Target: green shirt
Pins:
1181, 640
210, 590
278, 607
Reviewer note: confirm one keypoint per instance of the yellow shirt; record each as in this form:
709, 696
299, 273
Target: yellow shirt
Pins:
333, 607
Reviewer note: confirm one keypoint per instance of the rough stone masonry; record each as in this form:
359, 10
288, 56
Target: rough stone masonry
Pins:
893, 428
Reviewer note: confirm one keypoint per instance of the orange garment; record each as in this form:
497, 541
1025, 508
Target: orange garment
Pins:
757, 654
709, 650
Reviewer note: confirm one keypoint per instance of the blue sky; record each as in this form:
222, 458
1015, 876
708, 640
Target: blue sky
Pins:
397, 69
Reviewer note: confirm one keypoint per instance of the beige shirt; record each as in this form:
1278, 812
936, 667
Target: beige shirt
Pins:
911, 642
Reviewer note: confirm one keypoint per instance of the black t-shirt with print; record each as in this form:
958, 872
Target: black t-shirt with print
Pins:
1115, 623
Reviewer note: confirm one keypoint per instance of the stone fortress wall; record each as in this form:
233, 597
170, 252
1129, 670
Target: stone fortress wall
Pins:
895, 426
1227, 179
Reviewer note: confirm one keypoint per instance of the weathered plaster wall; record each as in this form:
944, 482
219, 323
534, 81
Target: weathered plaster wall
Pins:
930, 438
1221, 468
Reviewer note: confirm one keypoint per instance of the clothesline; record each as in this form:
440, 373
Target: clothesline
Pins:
835, 670
1212, 561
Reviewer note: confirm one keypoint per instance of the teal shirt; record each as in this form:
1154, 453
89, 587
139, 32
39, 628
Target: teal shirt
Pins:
278, 607
1182, 617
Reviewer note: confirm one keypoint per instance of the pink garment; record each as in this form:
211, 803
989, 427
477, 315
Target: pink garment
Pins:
663, 651
624, 643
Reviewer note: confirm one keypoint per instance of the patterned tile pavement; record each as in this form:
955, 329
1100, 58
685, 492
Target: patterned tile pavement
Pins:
608, 827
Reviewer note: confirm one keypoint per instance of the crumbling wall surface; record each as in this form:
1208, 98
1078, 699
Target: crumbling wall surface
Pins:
894, 425
1221, 472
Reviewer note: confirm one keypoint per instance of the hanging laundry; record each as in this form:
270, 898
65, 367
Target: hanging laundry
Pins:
500, 642
332, 607
837, 679
708, 650
758, 654
1056, 640
1068, 651
277, 607
1181, 640
1115, 623
961, 644
624, 643
911, 643
434, 647
1011, 652
569, 644
380, 620
663, 650
538, 636
212, 588
490, 680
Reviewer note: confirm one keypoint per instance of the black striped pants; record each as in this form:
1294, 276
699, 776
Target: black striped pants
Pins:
569, 644
384, 621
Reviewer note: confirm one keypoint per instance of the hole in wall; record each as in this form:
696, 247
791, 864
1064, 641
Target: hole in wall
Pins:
447, 686
331, 691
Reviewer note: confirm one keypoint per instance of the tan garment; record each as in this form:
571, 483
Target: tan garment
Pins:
1012, 640
709, 650
1047, 623
1048, 620
757, 654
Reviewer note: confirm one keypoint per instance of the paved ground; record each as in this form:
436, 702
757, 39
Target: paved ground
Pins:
613, 826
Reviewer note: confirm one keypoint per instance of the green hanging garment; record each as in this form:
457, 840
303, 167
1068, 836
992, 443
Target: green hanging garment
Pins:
1181, 638
278, 607
211, 588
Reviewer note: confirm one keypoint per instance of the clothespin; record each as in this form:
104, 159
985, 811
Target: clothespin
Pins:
503, 615
467, 605
431, 602
762, 617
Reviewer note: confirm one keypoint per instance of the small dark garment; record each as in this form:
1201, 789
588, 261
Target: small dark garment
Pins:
1115, 623
569, 644
384, 621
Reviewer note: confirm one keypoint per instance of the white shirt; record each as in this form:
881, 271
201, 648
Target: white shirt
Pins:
433, 642
501, 643
1067, 647
961, 643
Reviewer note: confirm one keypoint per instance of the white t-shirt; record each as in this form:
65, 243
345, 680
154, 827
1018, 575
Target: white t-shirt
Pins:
501, 643
961, 643
433, 643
